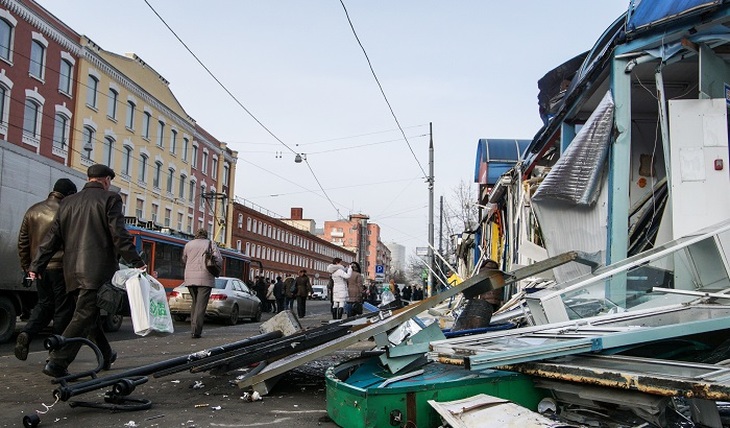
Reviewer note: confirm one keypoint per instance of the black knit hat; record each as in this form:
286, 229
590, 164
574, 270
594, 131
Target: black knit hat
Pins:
99, 171
64, 186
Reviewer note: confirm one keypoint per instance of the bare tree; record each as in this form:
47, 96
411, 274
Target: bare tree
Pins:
460, 214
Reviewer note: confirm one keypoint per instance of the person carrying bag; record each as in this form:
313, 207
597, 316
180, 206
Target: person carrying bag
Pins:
197, 256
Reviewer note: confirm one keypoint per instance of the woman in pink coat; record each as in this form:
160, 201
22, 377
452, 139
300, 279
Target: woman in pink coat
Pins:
197, 278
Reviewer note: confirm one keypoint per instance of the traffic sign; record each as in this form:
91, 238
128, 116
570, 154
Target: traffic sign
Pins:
379, 269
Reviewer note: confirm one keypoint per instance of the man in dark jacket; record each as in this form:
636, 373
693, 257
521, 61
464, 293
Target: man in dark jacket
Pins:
279, 294
304, 290
53, 302
90, 227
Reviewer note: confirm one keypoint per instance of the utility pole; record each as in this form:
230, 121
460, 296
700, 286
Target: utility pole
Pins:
431, 288
441, 235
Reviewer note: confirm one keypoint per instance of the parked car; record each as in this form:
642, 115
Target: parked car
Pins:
230, 300
319, 292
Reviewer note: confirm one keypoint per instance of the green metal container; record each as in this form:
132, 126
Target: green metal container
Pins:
354, 399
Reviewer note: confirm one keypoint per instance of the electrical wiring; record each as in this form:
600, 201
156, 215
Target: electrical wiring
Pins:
338, 188
382, 91
239, 102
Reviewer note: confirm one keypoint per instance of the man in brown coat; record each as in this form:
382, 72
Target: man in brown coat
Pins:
53, 302
90, 227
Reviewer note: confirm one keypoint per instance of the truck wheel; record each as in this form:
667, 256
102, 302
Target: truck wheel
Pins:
7, 319
112, 323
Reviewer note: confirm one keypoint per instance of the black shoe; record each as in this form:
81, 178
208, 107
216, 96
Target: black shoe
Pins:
21, 346
108, 361
195, 336
54, 370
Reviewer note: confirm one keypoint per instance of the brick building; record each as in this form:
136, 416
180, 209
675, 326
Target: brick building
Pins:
39, 58
282, 248
358, 235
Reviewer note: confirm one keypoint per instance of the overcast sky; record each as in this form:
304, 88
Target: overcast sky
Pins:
469, 67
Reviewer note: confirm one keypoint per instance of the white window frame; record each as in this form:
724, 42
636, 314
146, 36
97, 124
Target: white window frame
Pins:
12, 24
37, 39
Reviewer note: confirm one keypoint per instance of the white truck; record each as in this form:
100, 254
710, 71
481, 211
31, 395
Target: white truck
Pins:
25, 179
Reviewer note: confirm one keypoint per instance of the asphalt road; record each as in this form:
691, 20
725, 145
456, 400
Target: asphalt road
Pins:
179, 400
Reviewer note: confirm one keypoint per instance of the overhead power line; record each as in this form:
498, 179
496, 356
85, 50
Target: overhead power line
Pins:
237, 101
382, 91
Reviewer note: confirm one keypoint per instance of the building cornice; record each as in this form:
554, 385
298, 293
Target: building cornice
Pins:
90, 53
32, 18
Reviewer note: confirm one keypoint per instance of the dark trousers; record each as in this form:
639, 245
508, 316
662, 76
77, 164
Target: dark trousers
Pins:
86, 322
301, 306
200, 296
53, 304
289, 303
280, 305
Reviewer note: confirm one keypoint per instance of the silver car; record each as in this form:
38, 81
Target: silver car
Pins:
230, 300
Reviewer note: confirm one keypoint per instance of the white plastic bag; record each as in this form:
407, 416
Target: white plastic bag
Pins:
148, 303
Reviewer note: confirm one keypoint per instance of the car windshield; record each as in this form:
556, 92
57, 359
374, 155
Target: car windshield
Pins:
220, 283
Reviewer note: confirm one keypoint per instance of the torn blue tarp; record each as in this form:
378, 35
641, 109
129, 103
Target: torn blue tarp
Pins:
649, 13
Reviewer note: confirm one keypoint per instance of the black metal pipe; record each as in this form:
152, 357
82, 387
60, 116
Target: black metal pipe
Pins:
64, 392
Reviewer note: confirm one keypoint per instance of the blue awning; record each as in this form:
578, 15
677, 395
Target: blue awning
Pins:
648, 13
497, 156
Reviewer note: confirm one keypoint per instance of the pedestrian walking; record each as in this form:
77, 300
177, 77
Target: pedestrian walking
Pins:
260, 288
197, 278
354, 291
290, 290
339, 276
89, 226
53, 302
270, 296
304, 290
279, 294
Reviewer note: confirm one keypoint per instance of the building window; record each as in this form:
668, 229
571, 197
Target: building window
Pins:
127, 160
191, 193
146, 119
88, 146
64, 78
204, 167
238, 245
248, 248
214, 169
182, 187
195, 157
32, 120
108, 151
179, 221
60, 132
171, 174
202, 197
173, 141
168, 214
92, 85
156, 175
155, 209
248, 224
226, 173
139, 210
160, 133
112, 104
6, 39
37, 59
186, 146
142, 177
130, 114
240, 221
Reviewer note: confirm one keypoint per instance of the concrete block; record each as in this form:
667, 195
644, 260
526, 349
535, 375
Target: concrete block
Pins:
284, 321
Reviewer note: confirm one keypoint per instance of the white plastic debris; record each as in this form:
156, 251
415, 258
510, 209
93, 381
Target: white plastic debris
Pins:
131, 424
198, 385
216, 407
256, 396
175, 381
